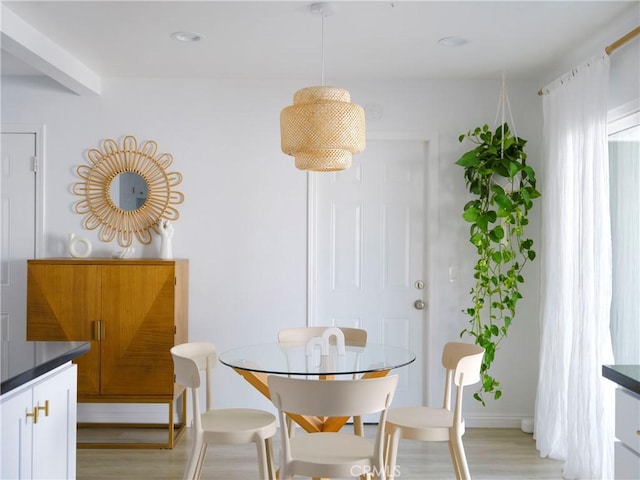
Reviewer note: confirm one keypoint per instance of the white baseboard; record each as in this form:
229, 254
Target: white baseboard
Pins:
494, 421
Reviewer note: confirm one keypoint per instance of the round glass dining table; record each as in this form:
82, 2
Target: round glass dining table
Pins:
256, 362
292, 359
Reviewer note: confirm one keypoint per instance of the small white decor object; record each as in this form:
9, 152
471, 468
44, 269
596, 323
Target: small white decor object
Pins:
125, 253
326, 337
166, 234
327, 357
79, 247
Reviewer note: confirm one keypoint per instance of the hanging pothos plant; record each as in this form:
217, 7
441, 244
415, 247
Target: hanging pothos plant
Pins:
504, 187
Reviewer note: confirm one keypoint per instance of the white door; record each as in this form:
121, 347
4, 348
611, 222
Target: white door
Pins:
367, 264
17, 242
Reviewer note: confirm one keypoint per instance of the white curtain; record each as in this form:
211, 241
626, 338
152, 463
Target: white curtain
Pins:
574, 405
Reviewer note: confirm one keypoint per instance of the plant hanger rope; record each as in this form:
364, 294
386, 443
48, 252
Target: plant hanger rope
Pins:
503, 100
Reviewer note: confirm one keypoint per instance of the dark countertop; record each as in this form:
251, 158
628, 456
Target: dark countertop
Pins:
29, 360
627, 376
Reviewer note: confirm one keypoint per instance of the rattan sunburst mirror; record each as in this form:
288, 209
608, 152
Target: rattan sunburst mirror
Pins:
127, 190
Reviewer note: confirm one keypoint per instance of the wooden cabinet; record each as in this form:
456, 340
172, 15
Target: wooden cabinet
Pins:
132, 312
39, 427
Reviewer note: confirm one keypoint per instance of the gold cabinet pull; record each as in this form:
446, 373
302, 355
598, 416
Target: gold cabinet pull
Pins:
45, 408
34, 414
98, 331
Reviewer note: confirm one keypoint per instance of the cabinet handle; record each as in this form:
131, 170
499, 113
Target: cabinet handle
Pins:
45, 408
34, 415
98, 331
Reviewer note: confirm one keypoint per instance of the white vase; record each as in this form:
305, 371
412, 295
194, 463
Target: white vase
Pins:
166, 234
166, 249
77, 251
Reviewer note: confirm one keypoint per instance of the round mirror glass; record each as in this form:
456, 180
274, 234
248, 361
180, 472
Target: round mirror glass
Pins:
128, 191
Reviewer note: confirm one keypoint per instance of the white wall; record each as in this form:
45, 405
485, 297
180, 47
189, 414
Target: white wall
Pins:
243, 224
624, 85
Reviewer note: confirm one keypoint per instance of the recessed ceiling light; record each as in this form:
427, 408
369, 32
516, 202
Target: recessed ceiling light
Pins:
452, 42
187, 37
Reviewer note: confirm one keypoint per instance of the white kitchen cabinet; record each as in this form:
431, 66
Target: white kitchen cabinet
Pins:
627, 446
38, 430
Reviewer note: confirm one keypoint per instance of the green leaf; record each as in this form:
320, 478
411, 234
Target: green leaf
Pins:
495, 188
470, 214
533, 193
504, 201
477, 239
478, 398
514, 168
469, 159
531, 254
529, 173
483, 222
502, 213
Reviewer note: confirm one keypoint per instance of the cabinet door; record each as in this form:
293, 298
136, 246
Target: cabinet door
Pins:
54, 436
138, 306
64, 303
16, 435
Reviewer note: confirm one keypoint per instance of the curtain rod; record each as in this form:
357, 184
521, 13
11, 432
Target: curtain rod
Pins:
614, 46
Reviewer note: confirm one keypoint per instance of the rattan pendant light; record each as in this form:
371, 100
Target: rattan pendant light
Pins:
322, 129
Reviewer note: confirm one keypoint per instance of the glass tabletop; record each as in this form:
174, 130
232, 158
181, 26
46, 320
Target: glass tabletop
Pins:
292, 359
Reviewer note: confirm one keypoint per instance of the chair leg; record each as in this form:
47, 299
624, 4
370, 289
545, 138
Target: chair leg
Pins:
272, 470
391, 447
263, 459
358, 427
454, 458
194, 458
462, 459
201, 457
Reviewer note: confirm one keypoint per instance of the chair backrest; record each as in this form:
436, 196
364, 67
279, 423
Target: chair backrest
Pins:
465, 360
189, 359
355, 337
462, 362
332, 398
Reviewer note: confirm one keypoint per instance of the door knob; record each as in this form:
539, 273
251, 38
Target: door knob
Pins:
419, 304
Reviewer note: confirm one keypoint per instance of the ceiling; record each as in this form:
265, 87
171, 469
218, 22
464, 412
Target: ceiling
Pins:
362, 39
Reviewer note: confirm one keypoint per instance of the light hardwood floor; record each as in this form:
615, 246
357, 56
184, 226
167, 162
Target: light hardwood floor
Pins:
492, 453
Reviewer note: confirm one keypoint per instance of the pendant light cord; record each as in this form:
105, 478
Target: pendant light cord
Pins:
322, 15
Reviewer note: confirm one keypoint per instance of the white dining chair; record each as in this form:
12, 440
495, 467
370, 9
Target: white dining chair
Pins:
355, 337
332, 454
462, 362
220, 426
